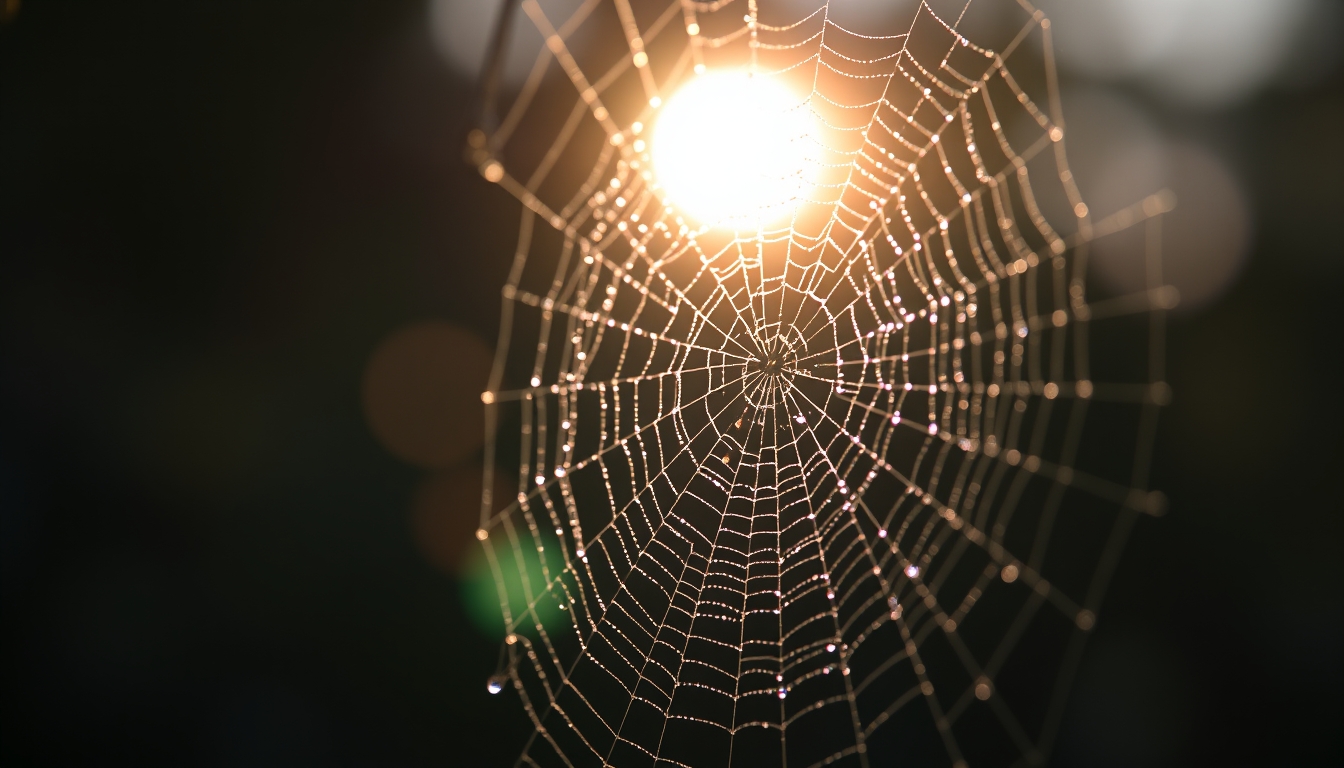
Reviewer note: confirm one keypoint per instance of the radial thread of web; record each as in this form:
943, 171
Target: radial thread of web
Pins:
845, 489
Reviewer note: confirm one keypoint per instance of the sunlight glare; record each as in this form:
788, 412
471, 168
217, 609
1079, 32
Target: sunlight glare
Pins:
730, 149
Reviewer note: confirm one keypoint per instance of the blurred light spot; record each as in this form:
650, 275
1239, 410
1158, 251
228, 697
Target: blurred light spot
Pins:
463, 29
517, 563
1115, 151
422, 393
447, 512
1316, 52
1112, 38
1227, 49
1206, 239
1209, 52
1119, 158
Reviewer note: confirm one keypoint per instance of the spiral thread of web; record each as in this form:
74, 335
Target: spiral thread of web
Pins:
824, 491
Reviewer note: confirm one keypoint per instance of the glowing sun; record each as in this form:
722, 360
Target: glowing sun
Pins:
731, 149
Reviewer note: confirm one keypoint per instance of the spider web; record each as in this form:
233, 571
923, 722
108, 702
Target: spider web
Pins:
823, 492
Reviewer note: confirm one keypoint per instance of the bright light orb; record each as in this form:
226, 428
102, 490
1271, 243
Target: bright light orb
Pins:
730, 149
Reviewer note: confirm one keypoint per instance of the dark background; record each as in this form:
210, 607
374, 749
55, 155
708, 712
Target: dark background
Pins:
211, 214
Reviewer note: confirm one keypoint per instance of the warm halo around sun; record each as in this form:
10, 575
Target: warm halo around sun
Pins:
731, 149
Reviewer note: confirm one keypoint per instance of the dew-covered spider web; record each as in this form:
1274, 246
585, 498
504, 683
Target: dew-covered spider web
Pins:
842, 489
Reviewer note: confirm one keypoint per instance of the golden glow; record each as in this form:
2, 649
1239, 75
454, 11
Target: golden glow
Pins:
731, 149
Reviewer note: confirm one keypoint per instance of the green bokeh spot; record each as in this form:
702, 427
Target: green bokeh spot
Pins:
481, 595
